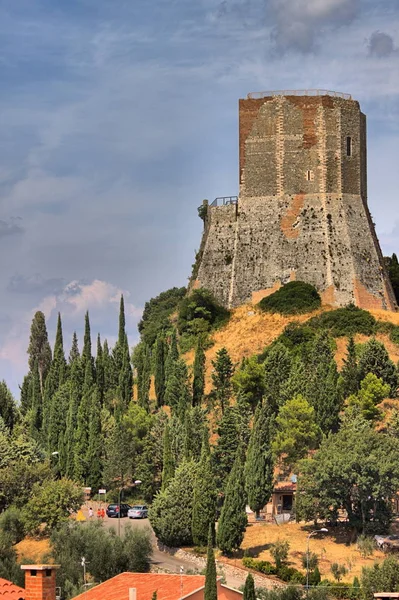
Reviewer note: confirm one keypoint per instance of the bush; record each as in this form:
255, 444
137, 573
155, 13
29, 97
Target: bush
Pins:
200, 312
345, 321
293, 298
156, 314
394, 335
11, 524
365, 545
279, 551
263, 566
290, 574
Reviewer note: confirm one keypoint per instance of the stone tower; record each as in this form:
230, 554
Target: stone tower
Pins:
302, 210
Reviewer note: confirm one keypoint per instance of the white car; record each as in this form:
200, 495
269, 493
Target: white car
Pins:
139, 511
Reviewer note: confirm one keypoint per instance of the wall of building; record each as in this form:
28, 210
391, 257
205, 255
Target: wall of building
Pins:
302, 211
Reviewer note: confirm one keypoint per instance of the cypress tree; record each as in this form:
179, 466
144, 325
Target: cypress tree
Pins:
393, 269
204, 502
210, 591
159, 370
55, 379
57, 416
350, 370
169, 466
100, 368
86, 352
375, 359
39, 348
259, 464
107, 368
221, 377
226, 446
249, 588
82, 426
95, 442
277, 365
74, 353
177, 394
59, 365
295, 384
36, 400
199, 372
193, 435
172, 356
233, 518
75, 380
25, 397
145, 383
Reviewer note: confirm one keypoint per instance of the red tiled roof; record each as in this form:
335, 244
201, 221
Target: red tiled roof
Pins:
285, 486
168, 587
9, 591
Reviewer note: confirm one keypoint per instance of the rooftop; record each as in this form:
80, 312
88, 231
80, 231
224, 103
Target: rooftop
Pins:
9, 591
168, 587
253, 95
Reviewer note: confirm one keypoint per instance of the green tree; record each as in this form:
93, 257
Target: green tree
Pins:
169, 465
382, 576
8, 408
159, 370
204, 506
39, 348
279, 551
233, 518
176, 499
51, 503
277, 368
221, 377
100, 374
372, 392
177, 394
249, 381
297, 431
226, 446
172, 355
350, 370
375, 359
87, 357
95, 442
155, 319
259, 463
74, 353
143, 392
199, 372
249, 588
393, 270
355, 470
210, 592
149, 466
57, 417
81, 436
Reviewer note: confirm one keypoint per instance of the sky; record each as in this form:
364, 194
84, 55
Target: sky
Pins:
118, 117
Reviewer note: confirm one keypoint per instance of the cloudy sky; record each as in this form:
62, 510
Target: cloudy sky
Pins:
117, 117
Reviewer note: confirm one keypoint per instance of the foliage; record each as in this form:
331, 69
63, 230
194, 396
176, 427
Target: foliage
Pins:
295, 335
199, 371
12, 524
226, 446
171, 512
249, 381
263, 566
18, 479
393, 270
233, 518
277, 369
106, 554
279, 551
50, 504
383, 576
169, 465
365, 545
375, 359
200, 312
355, 470
296, 297
259, 465
372, 392
210, 591
221, 377
350, 370
159, 369
348, 320
394, 333
338, 571
249, 588
8, 407
39, 350
297, 431
155, 319
204, 505
310, 560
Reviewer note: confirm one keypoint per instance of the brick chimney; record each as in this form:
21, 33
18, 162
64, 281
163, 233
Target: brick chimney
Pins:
40, 581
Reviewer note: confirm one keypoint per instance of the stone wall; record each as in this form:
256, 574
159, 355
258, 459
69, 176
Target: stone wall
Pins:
302, 212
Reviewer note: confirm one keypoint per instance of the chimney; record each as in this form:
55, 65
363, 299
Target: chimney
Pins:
132, 594
40, 581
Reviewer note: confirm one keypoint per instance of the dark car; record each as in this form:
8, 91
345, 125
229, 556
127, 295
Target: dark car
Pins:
113, 510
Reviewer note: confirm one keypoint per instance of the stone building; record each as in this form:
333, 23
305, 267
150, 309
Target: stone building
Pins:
302, 209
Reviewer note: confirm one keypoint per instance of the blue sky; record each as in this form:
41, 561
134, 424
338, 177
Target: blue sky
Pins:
117, 117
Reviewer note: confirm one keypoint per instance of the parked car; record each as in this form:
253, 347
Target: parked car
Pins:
387, 542
140, 511
113, 510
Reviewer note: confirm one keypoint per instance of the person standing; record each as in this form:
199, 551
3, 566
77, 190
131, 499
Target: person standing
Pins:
90, 513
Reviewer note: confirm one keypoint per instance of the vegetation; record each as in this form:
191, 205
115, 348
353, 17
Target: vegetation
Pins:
296, 297
198, 314
345, 321
155, 319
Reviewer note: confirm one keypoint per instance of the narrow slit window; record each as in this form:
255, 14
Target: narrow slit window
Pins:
348, 146
309, 175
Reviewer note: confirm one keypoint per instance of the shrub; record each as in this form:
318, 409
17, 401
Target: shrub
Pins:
279, 551
156, 314
338, 571
312, 562
345, 321
394, 335
11, 523
200, 312
263, 566
365, 545
290, 574
293, 298
295, 334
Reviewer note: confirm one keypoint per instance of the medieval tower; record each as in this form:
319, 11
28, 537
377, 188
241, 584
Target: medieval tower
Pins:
302, 209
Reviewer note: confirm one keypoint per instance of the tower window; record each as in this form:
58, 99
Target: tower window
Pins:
309, 175
348, 146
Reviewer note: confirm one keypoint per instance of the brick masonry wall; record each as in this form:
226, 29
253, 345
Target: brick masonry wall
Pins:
289, 224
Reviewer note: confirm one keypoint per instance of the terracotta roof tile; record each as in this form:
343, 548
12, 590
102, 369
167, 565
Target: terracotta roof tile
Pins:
168, 587
9, 591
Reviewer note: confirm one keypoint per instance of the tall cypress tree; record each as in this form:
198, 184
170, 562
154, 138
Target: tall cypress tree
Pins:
55, 379
177, 394
169, 466
76, 380
86, 352
145, 380
39, 348
95, 442
159, 369
199, 372
226, 446
221, 377
74, 353
82, 426
107, 368
233, 518
172, 355
259, 464
350, 370
204, 503
210, 591
100, 377
277, 365
249, 588
36, 401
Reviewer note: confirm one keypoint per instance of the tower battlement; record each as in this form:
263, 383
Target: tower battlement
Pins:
302, 209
